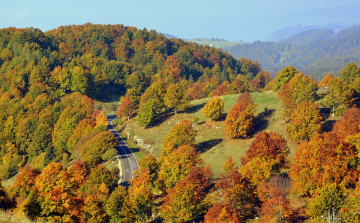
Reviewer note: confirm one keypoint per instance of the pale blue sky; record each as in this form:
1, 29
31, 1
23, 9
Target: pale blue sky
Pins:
229, 19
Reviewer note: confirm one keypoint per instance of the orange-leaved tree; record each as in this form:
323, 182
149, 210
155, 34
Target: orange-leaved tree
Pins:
150, 163
325, 159
305, 122
238, 191
349, 124
141, 197
229, 165
221, 213
275, 202
239, 120
325, 81
186, 201
24, 182
56, 195
220, 90
127, 107
266, 157
214, 108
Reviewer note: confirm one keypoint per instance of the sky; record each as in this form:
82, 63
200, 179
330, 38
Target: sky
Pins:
232, 20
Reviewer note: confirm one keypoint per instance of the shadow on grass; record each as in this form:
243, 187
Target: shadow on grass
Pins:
328, 125
195, 108
161, 119
261, 121
135, 150
206, 145
223, 117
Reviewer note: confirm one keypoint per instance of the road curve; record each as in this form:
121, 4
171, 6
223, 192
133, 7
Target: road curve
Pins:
127, 156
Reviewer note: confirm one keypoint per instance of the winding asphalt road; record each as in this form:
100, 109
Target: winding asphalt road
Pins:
127, 156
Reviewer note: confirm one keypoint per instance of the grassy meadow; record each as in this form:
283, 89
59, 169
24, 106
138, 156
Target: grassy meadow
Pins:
214, 43
213, 145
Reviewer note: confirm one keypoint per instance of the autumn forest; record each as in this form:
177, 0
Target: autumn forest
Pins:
57, 155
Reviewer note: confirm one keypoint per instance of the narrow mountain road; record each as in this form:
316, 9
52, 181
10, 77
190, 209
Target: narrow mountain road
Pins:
127, 156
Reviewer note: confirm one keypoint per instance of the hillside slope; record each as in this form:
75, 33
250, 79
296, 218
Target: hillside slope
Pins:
214, 147
315, 58
290, 31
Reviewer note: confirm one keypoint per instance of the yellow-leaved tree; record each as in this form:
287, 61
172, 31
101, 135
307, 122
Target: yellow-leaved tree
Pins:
214, 108
305, 122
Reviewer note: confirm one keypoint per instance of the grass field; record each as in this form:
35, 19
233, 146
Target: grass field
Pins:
214, 147
217, 44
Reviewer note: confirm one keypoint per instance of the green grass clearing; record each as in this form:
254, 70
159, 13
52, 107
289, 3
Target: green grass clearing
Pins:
215, 148
213, 43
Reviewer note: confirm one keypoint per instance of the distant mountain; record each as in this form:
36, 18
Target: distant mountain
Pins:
314, 52
290, 31
309, 36
169, 36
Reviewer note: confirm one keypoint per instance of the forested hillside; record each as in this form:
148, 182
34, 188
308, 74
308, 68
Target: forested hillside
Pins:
47, 78
313, 52
308, 36
50, 126
59, 156
290, 31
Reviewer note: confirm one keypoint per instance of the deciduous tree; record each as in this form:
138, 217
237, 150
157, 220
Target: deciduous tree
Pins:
229, 165
349, 73
266, 157
150, 163
239, 120
214, 108
283, 77
141, 197
349, 124
325, 81
177, 164
305, 122
118, 206
127, 108
304, 88
286, 96
325, 159
57, 194
176, 98
275, 202
147, 112
181, 134
94, 210
238, 192
221, 213
97, 145
327, 202
185, 202
64, 128
340, 97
